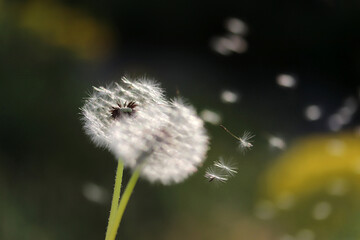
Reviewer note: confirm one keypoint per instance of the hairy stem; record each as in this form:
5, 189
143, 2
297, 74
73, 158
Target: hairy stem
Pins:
116, 197
123, 202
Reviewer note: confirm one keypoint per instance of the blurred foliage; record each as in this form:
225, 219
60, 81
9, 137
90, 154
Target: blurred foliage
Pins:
59, 25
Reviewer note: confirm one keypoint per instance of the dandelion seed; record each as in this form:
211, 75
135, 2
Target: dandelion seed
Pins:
245, 141
227, 167
213, 174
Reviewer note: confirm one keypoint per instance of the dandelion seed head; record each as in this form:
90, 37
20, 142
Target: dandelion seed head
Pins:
102, 106
174, 132
138, 125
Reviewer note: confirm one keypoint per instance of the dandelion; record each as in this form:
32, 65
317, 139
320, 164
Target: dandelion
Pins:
106, 104
228, 167
245, 141
213, 174
159, 140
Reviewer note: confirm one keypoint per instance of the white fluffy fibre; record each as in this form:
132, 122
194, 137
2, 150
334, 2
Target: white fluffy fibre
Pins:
169, 134
96, 110
174, 134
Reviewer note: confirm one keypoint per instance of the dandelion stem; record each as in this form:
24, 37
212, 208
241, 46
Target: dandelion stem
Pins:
230, 133
116, 196
123, 202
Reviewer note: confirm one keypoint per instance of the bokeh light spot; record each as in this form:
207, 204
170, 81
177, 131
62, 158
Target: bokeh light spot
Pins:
312, 113
228, 96
286, 80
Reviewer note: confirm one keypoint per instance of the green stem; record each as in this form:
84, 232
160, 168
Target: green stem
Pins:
123, 202
116, 196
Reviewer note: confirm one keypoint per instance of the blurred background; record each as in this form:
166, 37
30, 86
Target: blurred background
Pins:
288, 71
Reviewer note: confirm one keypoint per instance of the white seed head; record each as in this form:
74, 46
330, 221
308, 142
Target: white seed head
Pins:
172, 137
96, 112
136, 123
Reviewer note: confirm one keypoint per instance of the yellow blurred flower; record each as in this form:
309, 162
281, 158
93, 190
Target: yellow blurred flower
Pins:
311, 164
